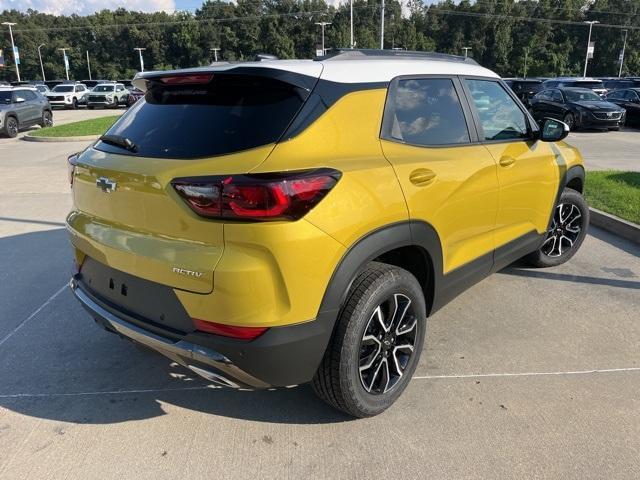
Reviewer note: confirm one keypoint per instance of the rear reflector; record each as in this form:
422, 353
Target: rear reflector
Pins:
241, 333
274, 196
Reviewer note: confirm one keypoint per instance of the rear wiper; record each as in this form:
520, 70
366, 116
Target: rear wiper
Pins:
119, 141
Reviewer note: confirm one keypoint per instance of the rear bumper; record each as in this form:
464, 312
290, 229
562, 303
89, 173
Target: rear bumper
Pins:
281, 357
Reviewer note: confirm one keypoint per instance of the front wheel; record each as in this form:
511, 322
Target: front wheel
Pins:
566, 233
47, 119
376, 344
570, 120
11, 127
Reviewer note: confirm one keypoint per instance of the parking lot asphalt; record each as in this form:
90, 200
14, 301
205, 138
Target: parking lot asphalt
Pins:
530, 374
604, 150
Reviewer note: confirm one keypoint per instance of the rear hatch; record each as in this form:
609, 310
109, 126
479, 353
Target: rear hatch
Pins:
126, 213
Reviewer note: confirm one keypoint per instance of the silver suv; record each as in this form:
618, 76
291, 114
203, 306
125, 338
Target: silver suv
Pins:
23, 107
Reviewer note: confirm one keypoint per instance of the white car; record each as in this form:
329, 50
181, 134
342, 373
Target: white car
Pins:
107, 95
68, 95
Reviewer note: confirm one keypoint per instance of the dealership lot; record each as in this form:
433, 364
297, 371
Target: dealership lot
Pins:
507, 386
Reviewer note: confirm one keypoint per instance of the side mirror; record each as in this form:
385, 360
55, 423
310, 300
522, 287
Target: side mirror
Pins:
553, 130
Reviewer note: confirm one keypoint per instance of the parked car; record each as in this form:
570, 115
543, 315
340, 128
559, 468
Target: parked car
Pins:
107, 95
629, 99
612, 84
268, 224
578, 108
135, 94
127, 83
90, 84
68, 95
41, 87
524, 88
22, 107
52, 83
591, 83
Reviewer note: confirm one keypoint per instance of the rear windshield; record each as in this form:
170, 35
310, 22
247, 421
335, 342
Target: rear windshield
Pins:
597, 85
229, 114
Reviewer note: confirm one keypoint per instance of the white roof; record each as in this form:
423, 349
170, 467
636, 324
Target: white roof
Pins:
365, 69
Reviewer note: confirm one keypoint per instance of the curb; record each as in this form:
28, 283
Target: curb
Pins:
84, 138
618, 226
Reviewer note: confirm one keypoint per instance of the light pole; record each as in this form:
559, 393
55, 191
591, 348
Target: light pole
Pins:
215, 51
322, 25
66, 60
624, 45
466, 51
352, 44
586, 57
140, 50
40, 57
382, 27
13, 48
526, 57
88, 65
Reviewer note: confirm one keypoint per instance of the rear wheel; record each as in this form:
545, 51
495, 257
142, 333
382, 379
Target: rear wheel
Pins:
47, 119
567, 232
11, 127
376, 344
570, 120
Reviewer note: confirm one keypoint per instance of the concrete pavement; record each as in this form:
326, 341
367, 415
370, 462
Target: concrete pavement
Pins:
505, 388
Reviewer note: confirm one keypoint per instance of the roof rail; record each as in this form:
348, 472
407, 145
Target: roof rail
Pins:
368, 54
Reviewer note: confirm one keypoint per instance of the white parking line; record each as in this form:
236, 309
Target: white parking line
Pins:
214, 387
529, 374
38, 310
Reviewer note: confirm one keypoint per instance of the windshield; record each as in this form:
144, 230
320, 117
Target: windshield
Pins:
63, 88
41, 88
104, 88
582, 95
229, 114
5, 97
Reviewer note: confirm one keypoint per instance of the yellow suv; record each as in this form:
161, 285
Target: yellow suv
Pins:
267, 224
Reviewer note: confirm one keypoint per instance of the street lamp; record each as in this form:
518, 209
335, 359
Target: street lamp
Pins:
13, 48
624, 45
586, 58
466, 51
40, 57
215, 51
66, 60
140, 50
322, 25
382, 26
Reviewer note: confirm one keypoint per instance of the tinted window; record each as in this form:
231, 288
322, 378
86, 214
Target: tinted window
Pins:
426, 112
630, 95
230, 114
499, 115
616, 95
5, 96
103, 88
27, 95
556, 96
592, 85
63, 88
582, 95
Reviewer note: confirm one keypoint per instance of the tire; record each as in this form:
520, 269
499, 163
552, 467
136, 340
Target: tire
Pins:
614, 129
359, 372
74, 104
568, 229
570, 120
47, 119
90, 107
11, 127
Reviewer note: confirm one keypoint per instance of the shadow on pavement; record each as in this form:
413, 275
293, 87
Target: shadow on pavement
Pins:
60, 366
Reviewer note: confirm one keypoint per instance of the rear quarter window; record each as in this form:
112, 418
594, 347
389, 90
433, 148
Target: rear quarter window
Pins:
229, 114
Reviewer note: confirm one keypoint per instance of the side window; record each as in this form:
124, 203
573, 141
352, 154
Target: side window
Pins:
615, 96
556, 96
18, 96
544, 95
28, 95
631, 96
499, 115
425, 112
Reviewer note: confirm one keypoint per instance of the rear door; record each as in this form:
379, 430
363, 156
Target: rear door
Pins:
528, 174
632, 106
448, 178
128, 215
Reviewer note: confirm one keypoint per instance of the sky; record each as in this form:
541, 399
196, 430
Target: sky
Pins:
86, 7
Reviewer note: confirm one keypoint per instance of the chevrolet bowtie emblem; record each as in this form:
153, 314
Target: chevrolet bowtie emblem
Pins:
106, 185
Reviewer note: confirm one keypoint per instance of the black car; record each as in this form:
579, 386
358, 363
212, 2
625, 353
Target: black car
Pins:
524, 88
578, 108
629, 99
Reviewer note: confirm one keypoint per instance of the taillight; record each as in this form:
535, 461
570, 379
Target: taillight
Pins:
72, 161
241, 333
187, 79
262, 197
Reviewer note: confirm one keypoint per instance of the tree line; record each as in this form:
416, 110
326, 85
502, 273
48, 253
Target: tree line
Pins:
539, 37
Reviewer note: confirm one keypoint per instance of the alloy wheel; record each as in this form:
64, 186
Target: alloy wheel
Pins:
565, 230
387, 344
47, 119
12, 127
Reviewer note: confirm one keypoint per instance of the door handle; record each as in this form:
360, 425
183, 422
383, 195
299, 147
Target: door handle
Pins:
422, 177
507, 161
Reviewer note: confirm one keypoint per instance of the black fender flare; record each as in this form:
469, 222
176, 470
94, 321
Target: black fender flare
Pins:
575, 172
